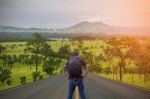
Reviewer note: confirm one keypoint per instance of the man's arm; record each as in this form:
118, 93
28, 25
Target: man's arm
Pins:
86, 69
65, 71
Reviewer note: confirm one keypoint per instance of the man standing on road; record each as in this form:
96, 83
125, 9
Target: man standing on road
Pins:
73, 72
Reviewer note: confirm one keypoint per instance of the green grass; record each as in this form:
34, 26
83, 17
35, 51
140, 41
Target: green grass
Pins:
19, 70
130, 79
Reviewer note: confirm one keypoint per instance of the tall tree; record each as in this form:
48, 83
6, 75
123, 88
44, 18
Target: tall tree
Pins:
35, 45
123, 48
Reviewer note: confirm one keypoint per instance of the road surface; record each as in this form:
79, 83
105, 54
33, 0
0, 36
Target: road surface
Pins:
56, 88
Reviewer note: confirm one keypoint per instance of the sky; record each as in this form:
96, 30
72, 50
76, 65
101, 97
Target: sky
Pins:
64, 13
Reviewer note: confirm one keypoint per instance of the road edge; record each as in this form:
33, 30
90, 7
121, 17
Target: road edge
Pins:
126, 84
15, 87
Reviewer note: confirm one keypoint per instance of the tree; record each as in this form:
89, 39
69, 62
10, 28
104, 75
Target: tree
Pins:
142, 58
64, 52
50, 65
131, 68
10, 61
1, 49
2, 56
123, 48
47, 50
107, 70
35, 45
109, 56
14, 58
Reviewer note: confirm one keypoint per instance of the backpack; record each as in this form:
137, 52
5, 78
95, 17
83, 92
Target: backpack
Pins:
74, 67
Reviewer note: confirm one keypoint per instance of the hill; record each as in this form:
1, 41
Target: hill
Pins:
91, 27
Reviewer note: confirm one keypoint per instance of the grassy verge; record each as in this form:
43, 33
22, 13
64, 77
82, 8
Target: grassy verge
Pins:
19, 70
130, 79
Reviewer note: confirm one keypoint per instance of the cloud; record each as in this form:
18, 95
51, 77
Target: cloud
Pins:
92, 19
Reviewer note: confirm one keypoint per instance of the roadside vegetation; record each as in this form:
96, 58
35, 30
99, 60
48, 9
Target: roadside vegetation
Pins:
125, 59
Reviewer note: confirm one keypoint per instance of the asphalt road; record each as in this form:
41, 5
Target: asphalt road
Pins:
56, 88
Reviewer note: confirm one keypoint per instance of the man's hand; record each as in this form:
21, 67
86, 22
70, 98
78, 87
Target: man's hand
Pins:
85, 72
65, 72
66, 76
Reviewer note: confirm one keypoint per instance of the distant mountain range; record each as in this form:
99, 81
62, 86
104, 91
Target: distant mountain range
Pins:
16, 29
81, 29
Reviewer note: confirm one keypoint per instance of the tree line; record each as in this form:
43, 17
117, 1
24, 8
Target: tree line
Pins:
36, 52
121, 55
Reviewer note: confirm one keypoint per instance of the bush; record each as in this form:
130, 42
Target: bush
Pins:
23, 79
5, 74
9, 82
49, 67
41, 77
35, 75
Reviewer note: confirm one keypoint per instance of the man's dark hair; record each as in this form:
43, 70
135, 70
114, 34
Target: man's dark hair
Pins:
75, 53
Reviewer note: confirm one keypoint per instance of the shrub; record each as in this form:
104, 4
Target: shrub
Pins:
5, 74
9, 82
35, 75
23, 79
41, 77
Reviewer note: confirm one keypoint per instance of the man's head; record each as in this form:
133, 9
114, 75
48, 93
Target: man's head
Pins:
75, 53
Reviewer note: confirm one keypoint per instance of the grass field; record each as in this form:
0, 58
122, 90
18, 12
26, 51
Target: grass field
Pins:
19, 70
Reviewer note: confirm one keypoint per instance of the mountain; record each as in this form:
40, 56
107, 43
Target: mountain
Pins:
90, 27
25, 30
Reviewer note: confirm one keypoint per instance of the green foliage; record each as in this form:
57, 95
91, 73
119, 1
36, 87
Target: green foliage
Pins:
41, 77
23, 79
48, 67
2, 48
5, 74
9, 82
51, 64
64, 51
107, 70
35, 45
122, 48
35, 75
46, 50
